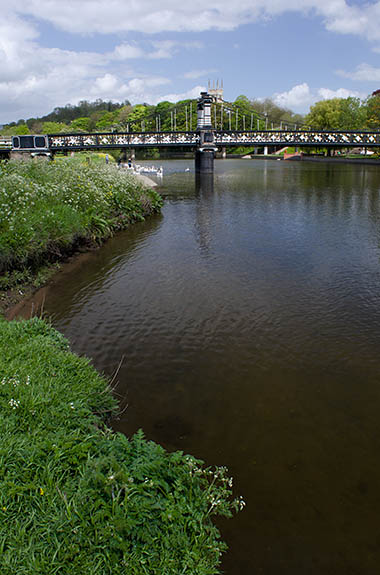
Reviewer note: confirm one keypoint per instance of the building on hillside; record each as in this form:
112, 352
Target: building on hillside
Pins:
216, 91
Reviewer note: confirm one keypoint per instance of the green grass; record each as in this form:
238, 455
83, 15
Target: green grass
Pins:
79, 499
46, 208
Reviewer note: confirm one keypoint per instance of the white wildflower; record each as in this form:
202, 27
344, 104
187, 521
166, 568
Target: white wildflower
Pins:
14, 403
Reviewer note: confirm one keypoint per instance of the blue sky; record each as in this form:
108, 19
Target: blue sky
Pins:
55, 52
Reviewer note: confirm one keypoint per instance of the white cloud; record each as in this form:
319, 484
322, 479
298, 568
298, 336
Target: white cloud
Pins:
35, 78
163, 49
301, 97
136, 90
105, 84
126, 51
327, 94
149, 16
297, 97
363, 73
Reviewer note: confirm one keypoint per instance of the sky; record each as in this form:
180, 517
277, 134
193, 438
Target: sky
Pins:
58, 52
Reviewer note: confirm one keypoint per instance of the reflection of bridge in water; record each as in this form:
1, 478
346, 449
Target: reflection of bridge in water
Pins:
205, 140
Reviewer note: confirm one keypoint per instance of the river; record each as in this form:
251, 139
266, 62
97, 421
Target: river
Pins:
247, 319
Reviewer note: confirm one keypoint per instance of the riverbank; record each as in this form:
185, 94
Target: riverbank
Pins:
335, 160
145, 181
76, 497
306, 158
48, 211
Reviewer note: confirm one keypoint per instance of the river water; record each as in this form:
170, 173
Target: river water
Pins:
247, 319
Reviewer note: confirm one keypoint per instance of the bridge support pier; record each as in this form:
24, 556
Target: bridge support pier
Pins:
204, 161
124, 155
205, 152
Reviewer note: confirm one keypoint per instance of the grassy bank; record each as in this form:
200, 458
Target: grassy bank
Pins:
79, 499
47, 209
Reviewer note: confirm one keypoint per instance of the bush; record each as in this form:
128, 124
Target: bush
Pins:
46, 207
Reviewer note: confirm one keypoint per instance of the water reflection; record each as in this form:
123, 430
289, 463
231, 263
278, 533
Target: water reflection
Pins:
204, 191
204, 183
248, 317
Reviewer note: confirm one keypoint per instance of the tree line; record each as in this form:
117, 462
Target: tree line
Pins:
242, 114
102, 116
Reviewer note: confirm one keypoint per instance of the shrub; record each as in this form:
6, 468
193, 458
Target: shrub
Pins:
46, 207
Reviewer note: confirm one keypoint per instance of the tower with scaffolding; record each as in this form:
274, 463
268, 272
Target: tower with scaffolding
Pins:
216, 91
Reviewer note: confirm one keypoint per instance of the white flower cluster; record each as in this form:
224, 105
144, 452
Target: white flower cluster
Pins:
14, 403
15, 381
61, 181
148, 482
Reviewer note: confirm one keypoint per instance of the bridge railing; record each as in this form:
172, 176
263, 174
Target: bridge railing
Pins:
119, 140
297, 138
221, 138
5, 142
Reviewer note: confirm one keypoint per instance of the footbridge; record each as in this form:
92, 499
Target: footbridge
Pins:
108, 140
205, 140
304, 138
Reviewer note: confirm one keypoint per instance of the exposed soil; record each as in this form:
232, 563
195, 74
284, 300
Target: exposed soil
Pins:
11, 297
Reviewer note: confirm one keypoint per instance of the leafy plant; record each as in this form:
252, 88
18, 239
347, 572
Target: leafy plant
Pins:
78, 498
46, 207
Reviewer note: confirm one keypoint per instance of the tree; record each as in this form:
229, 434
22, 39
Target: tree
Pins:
372, 106
163, 110
137, 116
244, 109
106, 122
35, 127
337, 114
352, 114
19, 130
123, 114
80, 124
53, 128
275, 114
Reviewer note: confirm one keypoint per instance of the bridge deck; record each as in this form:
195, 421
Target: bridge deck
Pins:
221, 138
193, 140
